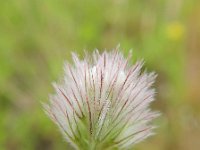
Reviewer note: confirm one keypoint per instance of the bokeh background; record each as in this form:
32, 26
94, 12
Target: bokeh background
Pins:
36, 36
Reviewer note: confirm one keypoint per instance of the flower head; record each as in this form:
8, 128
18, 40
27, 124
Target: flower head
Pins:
103, 102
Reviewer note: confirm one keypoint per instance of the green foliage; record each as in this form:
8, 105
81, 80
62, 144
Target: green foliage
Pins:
37, 36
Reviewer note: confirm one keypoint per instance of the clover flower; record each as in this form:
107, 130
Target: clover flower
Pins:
103, 102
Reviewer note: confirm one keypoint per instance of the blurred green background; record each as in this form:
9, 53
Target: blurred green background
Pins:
36, 36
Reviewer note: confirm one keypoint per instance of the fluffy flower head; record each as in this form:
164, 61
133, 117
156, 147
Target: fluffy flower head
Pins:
103, 102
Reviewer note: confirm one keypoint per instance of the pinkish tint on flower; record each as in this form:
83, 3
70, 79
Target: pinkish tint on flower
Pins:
103, 102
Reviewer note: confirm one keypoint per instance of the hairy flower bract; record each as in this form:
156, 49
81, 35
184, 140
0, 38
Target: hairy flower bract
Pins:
103, 102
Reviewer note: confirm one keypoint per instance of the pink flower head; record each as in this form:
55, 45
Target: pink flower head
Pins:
103, 102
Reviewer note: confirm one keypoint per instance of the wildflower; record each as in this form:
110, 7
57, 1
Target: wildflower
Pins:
103, 102
175, 31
